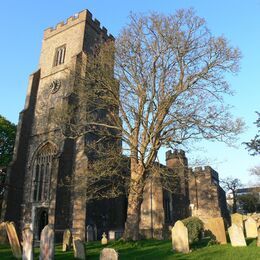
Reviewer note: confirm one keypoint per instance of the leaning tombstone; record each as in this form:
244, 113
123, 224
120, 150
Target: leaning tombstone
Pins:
47, 243
27, 243
66, 244
238, 220
108, 254
90, 233
104, 239
217, 228
180, 240
251, 228
13, 239
3, 234
79, 249
236, 236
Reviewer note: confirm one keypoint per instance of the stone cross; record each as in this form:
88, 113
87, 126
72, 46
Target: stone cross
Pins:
27, 243
108, 254
180, 240
13, 239
216, 226
66, 244
104, 239
251, 228
3, 234
47, 243
236, 236
238, 220
79, 249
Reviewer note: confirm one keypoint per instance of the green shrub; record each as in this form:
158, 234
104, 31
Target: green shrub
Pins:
195, 228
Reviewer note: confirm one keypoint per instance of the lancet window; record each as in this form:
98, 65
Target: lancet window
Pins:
59, 57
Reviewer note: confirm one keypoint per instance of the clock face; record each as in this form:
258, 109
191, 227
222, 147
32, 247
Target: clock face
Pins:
55, 86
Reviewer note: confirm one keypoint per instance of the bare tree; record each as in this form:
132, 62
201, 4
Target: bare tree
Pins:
160, 84
254, 145
255, 171
232, 184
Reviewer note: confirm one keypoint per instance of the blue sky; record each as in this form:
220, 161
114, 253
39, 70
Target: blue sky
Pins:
21, 33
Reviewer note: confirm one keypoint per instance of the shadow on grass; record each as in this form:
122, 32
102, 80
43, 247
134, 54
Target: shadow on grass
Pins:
156, 250
251, 241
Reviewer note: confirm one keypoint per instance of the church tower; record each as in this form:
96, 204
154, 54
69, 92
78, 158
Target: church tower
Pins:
42, 158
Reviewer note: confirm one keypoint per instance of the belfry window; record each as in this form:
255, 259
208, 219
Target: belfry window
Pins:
42, 173
59, 57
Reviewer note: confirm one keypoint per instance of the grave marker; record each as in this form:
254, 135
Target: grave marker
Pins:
47, 243
236, 236
27, 243
13, 239
180, 240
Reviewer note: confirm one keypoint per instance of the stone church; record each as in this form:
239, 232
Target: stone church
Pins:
43, 159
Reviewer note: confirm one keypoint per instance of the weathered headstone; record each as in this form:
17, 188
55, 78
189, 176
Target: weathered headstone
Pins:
13, 239
104, 239
236, 236
47, 243
216, 226
111, 234
180, 240
27, 243
66, 244
95, 232
258, 237
3, 234
251, 228
238, 220
108, 254
79, 249
90, 233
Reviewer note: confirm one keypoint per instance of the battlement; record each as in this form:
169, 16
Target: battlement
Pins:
206, 170
176, 153
83, 16
203, 169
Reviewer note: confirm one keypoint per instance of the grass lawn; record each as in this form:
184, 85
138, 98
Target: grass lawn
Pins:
152, 249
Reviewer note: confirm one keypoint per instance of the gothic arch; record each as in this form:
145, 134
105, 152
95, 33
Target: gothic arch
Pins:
41, 171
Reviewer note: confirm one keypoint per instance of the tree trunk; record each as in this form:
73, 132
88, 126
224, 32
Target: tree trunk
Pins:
135, 199
234, 202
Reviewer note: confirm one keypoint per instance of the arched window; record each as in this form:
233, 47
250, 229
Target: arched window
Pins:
59, 57
42, 172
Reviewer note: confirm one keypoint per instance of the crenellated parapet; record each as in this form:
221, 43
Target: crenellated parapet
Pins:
206, 171
176, 153
83, 16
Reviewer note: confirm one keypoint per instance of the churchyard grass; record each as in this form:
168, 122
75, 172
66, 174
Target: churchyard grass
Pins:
156, 250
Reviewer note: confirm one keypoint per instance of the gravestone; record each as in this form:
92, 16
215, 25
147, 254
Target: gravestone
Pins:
237, 219
95, 232
3, 234
251, 228
47, 243
180, 240
111, 234
217, 228
79, 249
66, 244
108, 254
27, 243
13, 239
258, 238
90, 233
104, 239
236, 236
